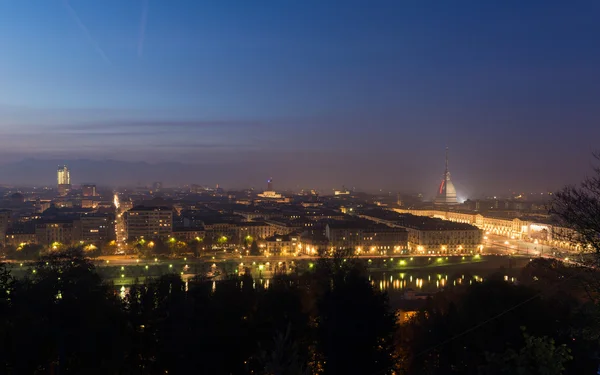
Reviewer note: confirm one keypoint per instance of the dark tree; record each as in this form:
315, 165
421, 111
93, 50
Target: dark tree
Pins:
355, 326
25, 252
454, 337
578, 208
284, 357
282, 328
63, 319
195, 245
539, 355
254, 250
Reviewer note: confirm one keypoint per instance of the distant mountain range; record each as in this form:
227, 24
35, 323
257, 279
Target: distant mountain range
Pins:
42, 172
112, 172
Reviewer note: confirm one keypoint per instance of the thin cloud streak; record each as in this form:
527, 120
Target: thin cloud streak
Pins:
142, 34
85, 30
166, 124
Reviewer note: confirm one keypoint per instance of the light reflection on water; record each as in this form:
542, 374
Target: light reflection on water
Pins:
387, 282
422, 282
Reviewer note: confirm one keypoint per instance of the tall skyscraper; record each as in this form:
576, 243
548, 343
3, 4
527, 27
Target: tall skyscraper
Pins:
270, 184
63, 177
446, 194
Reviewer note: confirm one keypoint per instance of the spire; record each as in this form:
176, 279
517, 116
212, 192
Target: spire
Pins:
446, 171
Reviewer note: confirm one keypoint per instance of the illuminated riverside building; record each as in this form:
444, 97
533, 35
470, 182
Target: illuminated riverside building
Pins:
432, 236
514, 228
366, 237
282, 244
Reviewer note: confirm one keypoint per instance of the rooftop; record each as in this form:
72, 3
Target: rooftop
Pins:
151, 208
417, 222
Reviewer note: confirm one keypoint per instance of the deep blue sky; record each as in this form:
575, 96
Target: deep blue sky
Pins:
318, 93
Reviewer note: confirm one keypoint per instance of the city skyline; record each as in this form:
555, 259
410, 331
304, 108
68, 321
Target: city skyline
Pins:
142, 175
299, 187
248, 91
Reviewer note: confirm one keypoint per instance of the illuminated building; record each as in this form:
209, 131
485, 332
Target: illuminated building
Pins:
125, 205
287, 226
149, 222
19, 237
513, 228
282, 244
344, 191
313, 242
97, 229
63, 177
446, 194
221, 228
41, 206
270, 194
89, 203
189, 234
432, 235
64, 232
254, 230
366, 237
4, 222
88, 190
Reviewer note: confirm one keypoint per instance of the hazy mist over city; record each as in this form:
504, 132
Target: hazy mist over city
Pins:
310, 93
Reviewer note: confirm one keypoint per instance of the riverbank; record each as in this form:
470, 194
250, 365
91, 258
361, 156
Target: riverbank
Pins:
264, 268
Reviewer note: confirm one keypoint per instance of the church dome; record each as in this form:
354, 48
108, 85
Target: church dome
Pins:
446, 194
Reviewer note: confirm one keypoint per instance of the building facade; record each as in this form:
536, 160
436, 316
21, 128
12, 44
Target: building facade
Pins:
19, 237
254, 231
513, 228
63, 177
433, 235
366, 237
149, 222
97, 229
88, 190
189, 234
282, 244
5, 220
50, 233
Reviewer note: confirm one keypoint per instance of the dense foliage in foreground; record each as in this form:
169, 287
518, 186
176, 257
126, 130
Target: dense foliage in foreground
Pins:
65, 320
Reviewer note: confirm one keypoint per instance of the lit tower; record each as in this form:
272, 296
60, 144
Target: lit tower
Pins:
63, 177
270, 184
446, 194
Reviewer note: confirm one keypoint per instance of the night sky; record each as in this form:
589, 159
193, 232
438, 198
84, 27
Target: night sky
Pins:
313, 93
